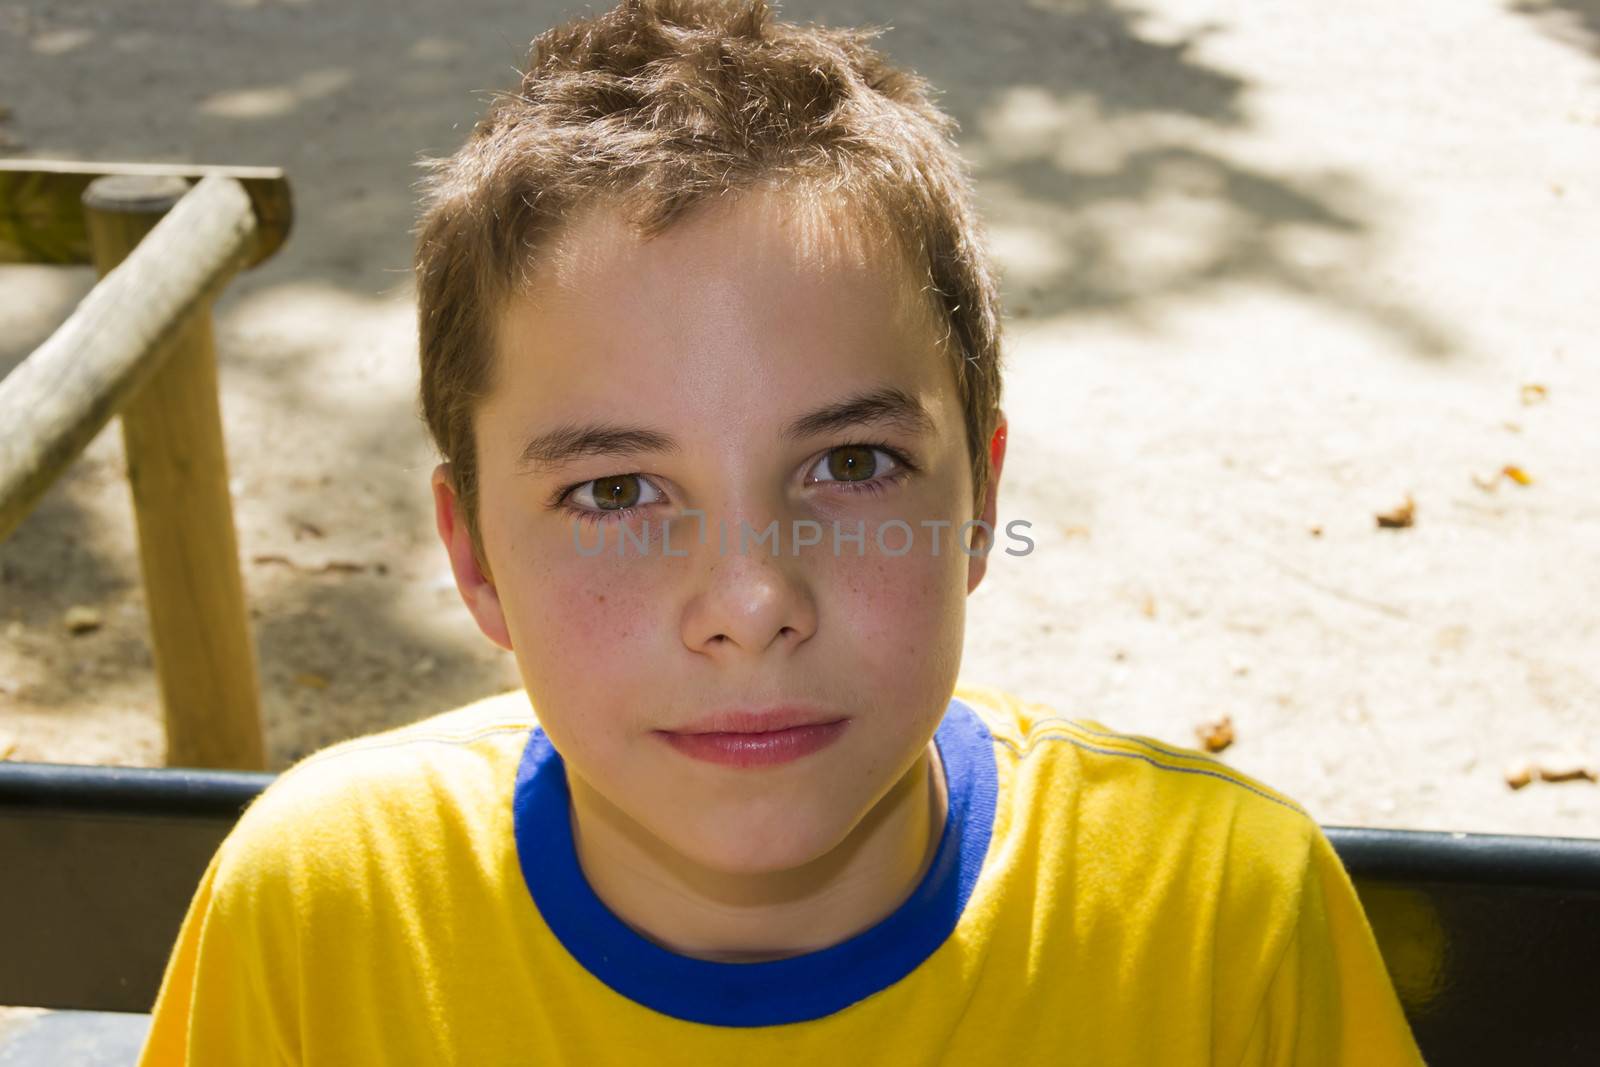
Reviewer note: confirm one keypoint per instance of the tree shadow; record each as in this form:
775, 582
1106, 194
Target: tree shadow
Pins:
36, 300
67, 553
341, 646
1100, 141
1078, 112
1572, 22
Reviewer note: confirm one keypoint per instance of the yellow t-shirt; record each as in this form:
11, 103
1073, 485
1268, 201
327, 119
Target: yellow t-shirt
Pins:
414, 897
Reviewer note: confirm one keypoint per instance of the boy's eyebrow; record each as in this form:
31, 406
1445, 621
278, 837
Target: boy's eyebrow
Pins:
567, 443
888, 404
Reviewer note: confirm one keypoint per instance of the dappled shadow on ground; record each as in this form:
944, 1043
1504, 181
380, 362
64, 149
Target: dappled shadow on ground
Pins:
1100, 136
340, 650
1094, 124
1573, 22
354, 630
33, 300
69, 553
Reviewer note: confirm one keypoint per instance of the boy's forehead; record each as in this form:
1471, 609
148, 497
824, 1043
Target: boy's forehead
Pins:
779, 279
754, 234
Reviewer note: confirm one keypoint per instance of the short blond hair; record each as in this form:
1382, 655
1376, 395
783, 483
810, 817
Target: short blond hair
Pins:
665, 104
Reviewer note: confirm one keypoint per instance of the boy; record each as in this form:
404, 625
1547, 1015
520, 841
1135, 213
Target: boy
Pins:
710, 348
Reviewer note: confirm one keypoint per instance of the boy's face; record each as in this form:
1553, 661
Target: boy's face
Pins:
716, 337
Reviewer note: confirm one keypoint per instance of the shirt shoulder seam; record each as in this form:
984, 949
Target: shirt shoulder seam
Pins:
379, 742
1209, 768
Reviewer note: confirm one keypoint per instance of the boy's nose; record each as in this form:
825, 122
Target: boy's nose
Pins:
746, 604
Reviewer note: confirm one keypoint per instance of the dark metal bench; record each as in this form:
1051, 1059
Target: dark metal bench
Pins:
1493, 941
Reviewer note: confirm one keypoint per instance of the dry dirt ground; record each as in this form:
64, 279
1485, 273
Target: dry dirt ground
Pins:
1270, 268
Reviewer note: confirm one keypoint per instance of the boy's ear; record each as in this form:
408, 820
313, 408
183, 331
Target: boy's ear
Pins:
978, 565
477, 589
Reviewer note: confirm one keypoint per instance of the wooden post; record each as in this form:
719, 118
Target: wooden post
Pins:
178, 473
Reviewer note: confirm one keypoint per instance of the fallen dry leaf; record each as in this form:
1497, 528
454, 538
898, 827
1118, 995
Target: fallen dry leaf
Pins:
1489, 483
1569, 772
1149, 607
1534, 393
304, 528
344, 566
335, 566
1316, 531
1216, 735
81, 620
1401, 517
1520, 774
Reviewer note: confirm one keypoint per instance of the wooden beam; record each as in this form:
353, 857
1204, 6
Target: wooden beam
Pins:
41, 206
178, 473
55, 401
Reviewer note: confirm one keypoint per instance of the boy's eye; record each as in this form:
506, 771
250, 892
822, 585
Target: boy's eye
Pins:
852, 463
615, 492
858, 467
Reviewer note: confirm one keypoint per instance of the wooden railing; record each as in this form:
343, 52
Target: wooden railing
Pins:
165, 241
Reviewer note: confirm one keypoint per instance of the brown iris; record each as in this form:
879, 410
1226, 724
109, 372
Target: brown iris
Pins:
852, 463
617, 492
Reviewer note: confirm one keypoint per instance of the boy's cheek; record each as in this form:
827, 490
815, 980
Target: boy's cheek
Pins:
589, 610
884, 620
584, 652
895, 609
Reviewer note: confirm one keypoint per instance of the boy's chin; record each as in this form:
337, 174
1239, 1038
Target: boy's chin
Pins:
754, 847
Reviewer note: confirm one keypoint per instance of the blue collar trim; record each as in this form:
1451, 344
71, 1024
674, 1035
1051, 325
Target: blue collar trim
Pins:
774, 992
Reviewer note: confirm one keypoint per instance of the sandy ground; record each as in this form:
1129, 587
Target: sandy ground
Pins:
1269, 271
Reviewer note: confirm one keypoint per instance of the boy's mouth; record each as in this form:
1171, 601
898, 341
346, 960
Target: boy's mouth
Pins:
757, 738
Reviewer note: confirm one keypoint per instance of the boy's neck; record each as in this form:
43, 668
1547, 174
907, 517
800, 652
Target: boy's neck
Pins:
749, 918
